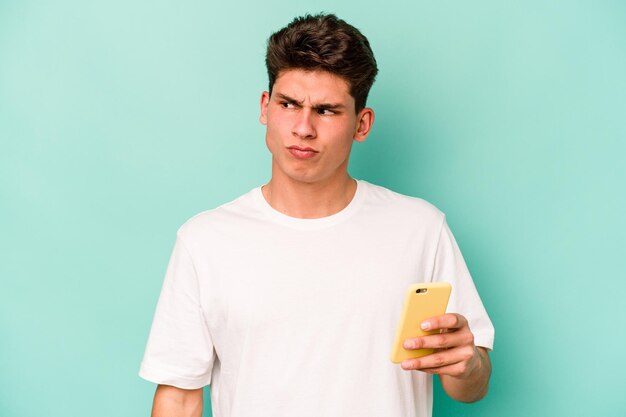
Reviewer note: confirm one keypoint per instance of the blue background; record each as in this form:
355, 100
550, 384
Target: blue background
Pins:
119, 120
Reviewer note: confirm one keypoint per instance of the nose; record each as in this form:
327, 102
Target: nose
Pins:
303, 124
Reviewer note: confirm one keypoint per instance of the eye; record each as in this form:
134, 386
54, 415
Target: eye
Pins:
324, 112
287, 105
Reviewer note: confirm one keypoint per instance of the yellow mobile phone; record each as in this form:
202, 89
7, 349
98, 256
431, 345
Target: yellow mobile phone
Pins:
422, 301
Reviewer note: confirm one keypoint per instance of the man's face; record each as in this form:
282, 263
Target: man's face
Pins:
311, 124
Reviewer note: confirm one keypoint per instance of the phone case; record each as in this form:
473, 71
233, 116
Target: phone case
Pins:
422, 301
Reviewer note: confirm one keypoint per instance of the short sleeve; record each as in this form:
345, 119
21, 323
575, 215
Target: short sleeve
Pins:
450, 267
179, 350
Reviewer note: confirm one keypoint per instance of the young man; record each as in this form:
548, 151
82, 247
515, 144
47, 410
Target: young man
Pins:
286, 300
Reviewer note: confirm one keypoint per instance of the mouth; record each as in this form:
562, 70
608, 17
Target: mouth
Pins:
302, 152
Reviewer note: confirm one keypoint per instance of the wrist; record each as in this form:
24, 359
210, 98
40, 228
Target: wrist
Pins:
479, 362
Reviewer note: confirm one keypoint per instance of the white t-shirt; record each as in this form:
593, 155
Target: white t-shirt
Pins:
296, 317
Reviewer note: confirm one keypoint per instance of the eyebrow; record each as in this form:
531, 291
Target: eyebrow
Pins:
329, 106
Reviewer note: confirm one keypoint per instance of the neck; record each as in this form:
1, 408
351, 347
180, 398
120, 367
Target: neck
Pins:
309, 200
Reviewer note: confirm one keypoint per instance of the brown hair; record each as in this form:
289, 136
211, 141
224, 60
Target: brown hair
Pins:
324, 42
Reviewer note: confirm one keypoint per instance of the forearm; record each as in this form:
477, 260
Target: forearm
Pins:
176, 402
474, 386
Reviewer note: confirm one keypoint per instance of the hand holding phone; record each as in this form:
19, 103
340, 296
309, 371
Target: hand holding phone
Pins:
422, 301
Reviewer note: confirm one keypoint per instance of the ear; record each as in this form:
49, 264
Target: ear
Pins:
364, 122
265, 99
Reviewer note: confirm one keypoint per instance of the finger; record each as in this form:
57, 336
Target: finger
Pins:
440, 359
440, 340
459, 369
445, 321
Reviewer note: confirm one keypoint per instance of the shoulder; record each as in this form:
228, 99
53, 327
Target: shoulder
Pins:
404, 207
230, 216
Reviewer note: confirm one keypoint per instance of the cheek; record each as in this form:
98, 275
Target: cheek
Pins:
345, 140
272, 136
269, 141
346, 129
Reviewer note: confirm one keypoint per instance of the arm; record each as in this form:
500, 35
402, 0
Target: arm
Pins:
177, 402
464, 368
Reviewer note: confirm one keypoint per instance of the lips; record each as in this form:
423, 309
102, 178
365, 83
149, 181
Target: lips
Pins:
302, 152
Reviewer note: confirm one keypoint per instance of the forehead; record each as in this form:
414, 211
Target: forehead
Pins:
314, 86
